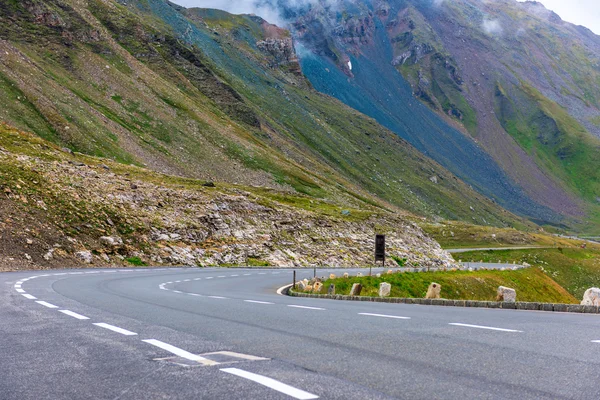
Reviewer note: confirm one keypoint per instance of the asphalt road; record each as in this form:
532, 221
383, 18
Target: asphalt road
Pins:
169, 334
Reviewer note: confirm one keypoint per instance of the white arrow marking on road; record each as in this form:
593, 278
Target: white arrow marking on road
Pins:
179, 352
271, 383
45, 304
485, 327
115, 329
308, 308
384, 316
73, 314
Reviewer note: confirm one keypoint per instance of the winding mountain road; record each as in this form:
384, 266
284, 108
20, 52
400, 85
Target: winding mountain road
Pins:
191, 333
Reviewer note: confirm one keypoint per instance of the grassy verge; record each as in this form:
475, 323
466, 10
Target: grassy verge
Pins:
456, 235
575, 269
531, 284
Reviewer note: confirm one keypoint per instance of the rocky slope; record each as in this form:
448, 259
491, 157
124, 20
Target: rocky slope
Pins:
512, 76
209, 95
62, 209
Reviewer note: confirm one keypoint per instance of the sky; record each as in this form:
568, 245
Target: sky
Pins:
580, 12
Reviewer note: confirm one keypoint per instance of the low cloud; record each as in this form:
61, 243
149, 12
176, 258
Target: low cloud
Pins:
492, 27
270, 10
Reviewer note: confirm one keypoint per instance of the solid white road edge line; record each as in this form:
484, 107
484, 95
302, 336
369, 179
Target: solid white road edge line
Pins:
484, 327
73, 314
28, 296
115, 329
281, 289
20, 290
308, 308
45, 304
258, 302
272, 384
179, 352
384, 316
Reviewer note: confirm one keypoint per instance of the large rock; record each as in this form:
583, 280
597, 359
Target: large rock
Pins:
85, 256
301, 286
111, 241
317, 286
331, 290
591, 297
384, 289
433, 291
356, 289
506, 295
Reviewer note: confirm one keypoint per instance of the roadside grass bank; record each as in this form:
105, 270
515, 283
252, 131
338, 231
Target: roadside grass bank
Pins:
456, 235
574, 269
531, 284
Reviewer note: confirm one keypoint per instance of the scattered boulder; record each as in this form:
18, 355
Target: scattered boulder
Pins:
378, 275
346, 275
356, 289
317, 286
308, 288
301, 286
591, 297
111, 241
507, 295
49, 255
434, 290
359, 274
390, 272
331, 290
332, 276
384, 289
85, 256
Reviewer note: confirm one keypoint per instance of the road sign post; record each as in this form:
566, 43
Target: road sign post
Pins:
379, 249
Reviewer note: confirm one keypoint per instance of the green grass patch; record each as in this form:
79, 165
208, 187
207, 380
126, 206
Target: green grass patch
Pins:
531, 285
575, 269
135, 261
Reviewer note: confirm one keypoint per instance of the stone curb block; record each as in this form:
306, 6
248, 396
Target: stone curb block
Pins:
520, 305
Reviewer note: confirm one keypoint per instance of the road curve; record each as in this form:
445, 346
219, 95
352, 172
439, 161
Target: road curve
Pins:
225, 334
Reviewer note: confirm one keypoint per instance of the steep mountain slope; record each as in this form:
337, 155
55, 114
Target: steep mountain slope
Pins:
513, 76
205, 94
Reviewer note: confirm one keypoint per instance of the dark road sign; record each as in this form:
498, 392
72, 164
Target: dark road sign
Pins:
379, 248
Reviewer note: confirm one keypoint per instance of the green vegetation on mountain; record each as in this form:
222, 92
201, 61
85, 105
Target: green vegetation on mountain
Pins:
120, 82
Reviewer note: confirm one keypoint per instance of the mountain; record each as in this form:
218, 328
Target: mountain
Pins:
209, 95
502, 93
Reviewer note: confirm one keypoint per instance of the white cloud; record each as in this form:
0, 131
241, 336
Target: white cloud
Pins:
492, 27
262, 8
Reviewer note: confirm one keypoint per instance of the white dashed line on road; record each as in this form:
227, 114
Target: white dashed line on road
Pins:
28, 296
247, 274
217, 297
45, 304
305, 307
179, 352
115, 329
484, 327
595, 341
221, 276
258, 302
272, 384
384, 316
20, 290
73, 314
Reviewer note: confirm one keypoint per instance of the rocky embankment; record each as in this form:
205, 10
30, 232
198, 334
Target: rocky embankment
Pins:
60, 209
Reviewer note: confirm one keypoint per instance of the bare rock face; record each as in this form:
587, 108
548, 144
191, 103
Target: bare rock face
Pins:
506, 294
84, 256
356, 289
282, 51
384, 289
591, 297
434, 290
111, 241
